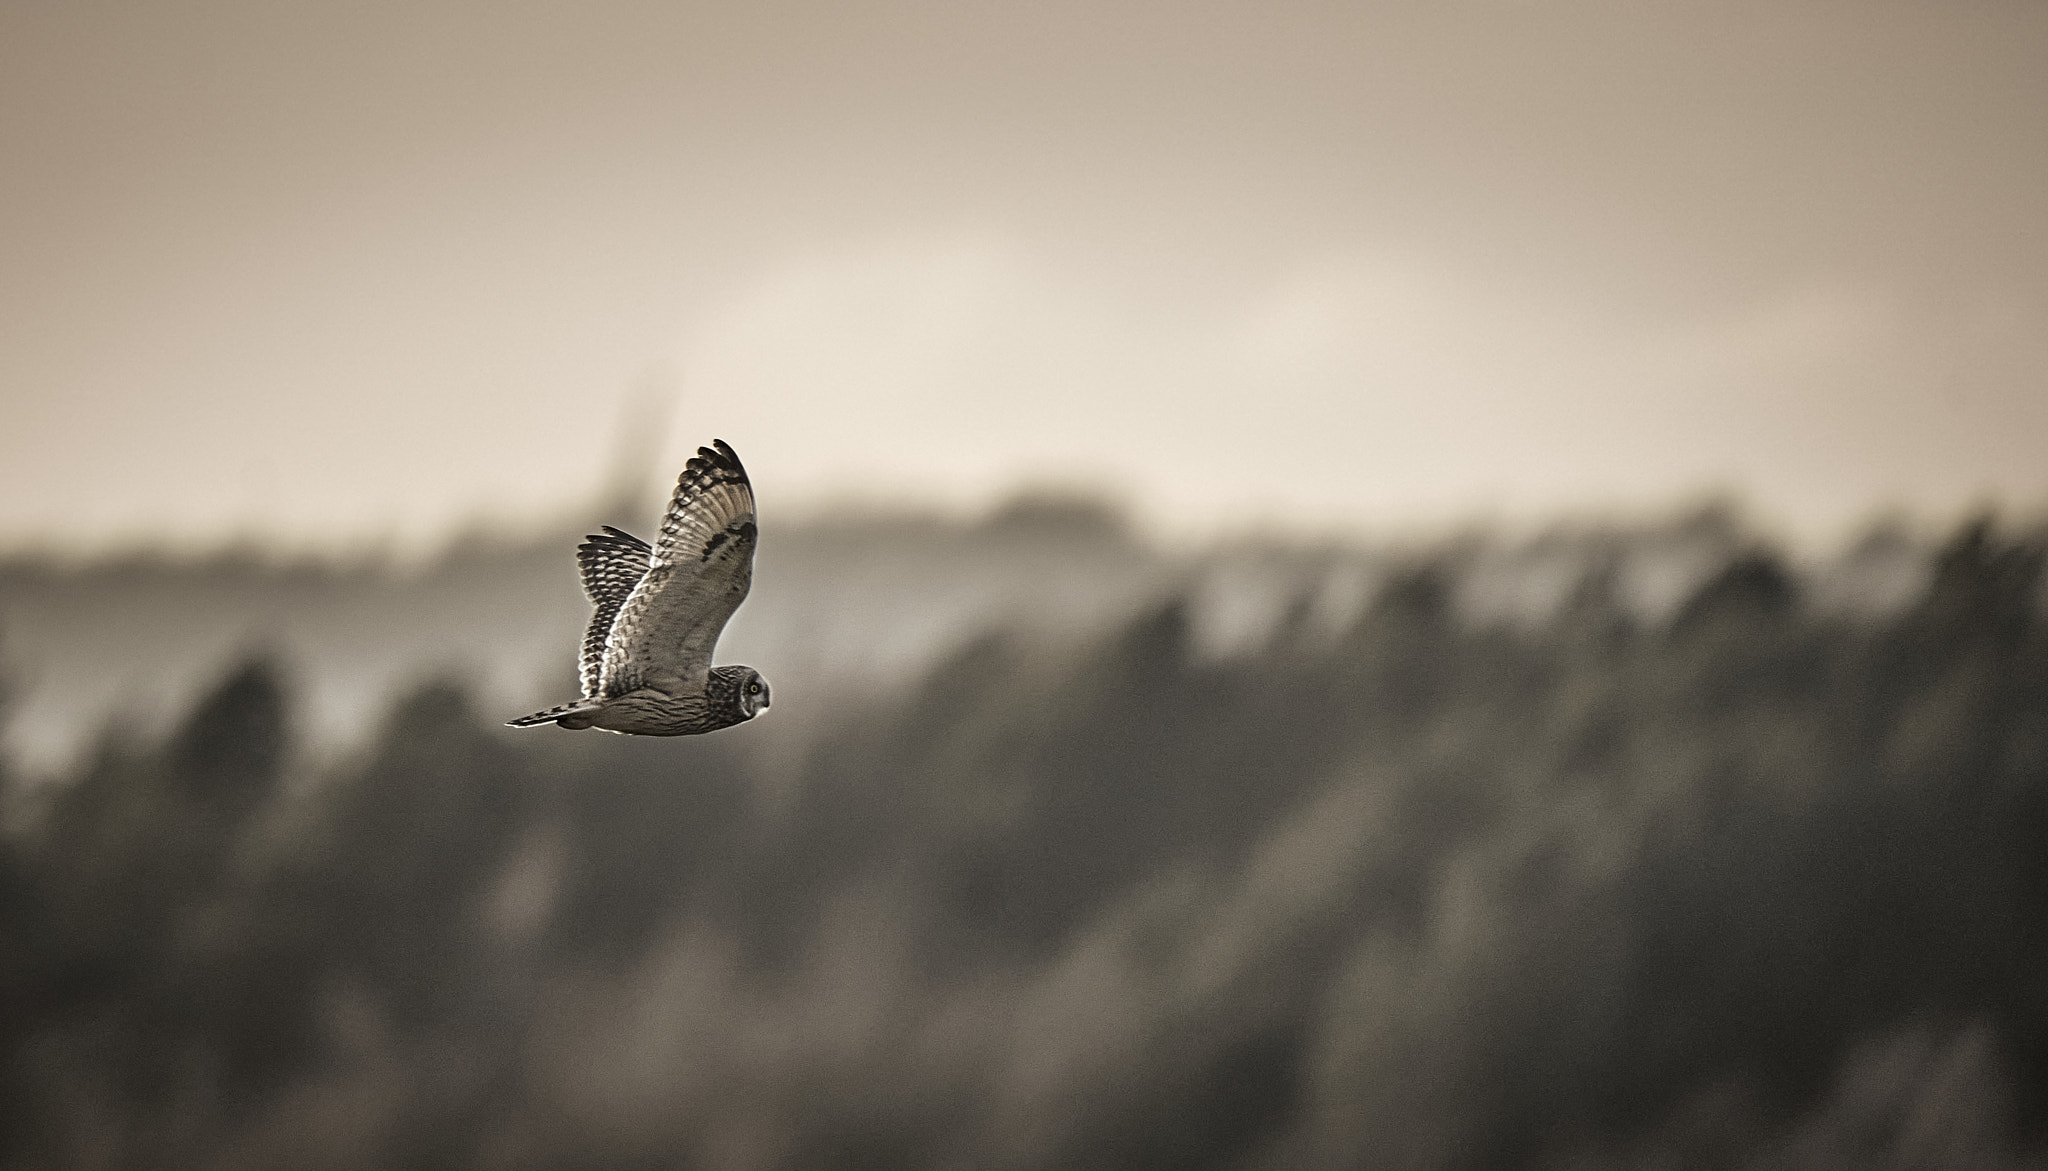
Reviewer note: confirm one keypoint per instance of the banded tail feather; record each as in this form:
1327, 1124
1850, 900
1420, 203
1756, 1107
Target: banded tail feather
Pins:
564, 714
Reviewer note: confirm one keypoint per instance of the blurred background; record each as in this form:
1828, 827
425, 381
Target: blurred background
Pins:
1365, 585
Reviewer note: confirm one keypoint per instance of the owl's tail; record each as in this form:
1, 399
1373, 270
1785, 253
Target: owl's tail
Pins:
569, 715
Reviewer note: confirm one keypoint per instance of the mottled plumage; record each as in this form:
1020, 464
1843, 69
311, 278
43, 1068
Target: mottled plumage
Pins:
646, 667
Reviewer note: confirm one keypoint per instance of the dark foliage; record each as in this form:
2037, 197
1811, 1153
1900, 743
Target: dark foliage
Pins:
1415, 893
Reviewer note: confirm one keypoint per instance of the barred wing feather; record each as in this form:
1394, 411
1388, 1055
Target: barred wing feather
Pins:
697, 574
613, 562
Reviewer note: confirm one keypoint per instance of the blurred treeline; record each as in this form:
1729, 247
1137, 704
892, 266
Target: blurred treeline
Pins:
1753, 886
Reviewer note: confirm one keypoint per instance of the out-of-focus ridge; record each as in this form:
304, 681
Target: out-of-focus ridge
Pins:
847, 601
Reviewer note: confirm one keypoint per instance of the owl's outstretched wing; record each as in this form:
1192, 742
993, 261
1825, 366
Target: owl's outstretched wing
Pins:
698, 573
613, 562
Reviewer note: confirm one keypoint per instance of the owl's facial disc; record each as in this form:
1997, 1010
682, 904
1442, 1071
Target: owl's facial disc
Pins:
754, 695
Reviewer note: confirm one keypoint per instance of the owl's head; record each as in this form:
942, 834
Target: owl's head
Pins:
748, 690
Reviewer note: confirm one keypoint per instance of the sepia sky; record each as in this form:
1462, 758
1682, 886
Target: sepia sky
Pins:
335, 274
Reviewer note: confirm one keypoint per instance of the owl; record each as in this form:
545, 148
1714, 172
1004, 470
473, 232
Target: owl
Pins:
647, 654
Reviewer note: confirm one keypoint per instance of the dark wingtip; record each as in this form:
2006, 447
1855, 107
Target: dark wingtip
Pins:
732, 457
609, 539
625, 538
719, 455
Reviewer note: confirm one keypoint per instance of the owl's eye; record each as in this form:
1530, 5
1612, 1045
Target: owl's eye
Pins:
753, 689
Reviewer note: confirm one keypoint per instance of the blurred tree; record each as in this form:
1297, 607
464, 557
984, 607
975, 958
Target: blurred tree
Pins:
413, 837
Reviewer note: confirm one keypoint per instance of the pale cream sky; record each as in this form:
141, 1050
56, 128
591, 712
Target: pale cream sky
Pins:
325, 272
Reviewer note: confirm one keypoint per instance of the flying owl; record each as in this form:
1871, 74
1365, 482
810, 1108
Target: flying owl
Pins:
647, 655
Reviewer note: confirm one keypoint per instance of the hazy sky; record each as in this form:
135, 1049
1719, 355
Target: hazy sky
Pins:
326, 271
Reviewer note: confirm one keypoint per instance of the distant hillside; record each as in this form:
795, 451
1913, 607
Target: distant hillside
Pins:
840, 607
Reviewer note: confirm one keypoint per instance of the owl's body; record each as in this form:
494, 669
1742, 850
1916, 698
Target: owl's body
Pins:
659, 610
648, 712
